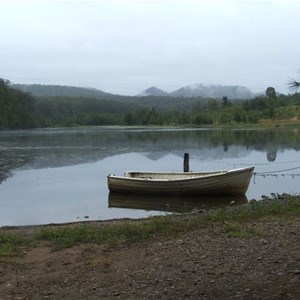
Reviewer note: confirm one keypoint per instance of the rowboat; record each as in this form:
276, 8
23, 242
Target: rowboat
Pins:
228, 182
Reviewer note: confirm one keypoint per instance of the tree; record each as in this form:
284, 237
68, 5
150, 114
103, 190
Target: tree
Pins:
225, 101
294, 86
271, 100
16, 107
270, 93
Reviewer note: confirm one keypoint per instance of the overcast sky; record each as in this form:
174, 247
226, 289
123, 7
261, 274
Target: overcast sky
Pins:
125, 47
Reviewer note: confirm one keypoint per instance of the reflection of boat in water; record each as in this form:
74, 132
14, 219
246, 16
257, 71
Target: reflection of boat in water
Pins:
229, 182
171, 203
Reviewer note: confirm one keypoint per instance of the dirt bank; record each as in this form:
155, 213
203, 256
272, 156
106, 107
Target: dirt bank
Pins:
203, 264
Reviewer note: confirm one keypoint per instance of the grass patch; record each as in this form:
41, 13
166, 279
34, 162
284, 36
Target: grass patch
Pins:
233, 220
290, 206
236, 230
69, 236
12, 244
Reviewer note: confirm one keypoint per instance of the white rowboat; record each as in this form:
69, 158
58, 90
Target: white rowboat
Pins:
229, 182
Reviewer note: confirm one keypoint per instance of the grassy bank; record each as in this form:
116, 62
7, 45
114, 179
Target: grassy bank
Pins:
14, 242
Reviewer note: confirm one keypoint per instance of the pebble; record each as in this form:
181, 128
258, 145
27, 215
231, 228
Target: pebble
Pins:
295, 280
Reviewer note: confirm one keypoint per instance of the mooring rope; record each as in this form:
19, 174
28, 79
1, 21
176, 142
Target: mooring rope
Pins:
279, 171
259, 164
275, 173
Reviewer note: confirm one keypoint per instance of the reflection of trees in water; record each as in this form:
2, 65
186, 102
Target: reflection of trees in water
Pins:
225, 147
57, 148
4, 175
271, 153
10, 161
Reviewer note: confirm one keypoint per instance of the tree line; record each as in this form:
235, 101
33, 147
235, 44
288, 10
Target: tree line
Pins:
20, 110
16, 108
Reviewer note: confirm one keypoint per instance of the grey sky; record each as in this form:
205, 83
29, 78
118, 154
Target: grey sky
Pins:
126, 46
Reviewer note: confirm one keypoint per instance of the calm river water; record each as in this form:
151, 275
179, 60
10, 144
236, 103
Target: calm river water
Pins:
59, 175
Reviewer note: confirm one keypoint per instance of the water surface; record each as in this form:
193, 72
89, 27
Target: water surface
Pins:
59, 175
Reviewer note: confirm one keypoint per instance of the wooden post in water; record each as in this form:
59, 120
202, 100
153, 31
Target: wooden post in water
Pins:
186, 163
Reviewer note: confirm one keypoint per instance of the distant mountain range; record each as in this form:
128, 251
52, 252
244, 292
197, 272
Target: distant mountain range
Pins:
196, 90
41, 90
201, 90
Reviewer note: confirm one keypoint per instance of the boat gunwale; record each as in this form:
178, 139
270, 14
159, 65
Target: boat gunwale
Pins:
205, 175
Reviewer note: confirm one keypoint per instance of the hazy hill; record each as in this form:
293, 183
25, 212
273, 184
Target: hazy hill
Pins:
153, 91
213, 91
202, 90
40, 90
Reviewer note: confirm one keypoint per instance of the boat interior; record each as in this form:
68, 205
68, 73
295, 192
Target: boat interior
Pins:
170, 175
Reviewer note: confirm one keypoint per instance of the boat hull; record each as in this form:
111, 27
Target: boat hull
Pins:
232, 182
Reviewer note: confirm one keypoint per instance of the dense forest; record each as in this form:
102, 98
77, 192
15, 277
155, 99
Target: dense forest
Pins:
20, 110
16, 107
